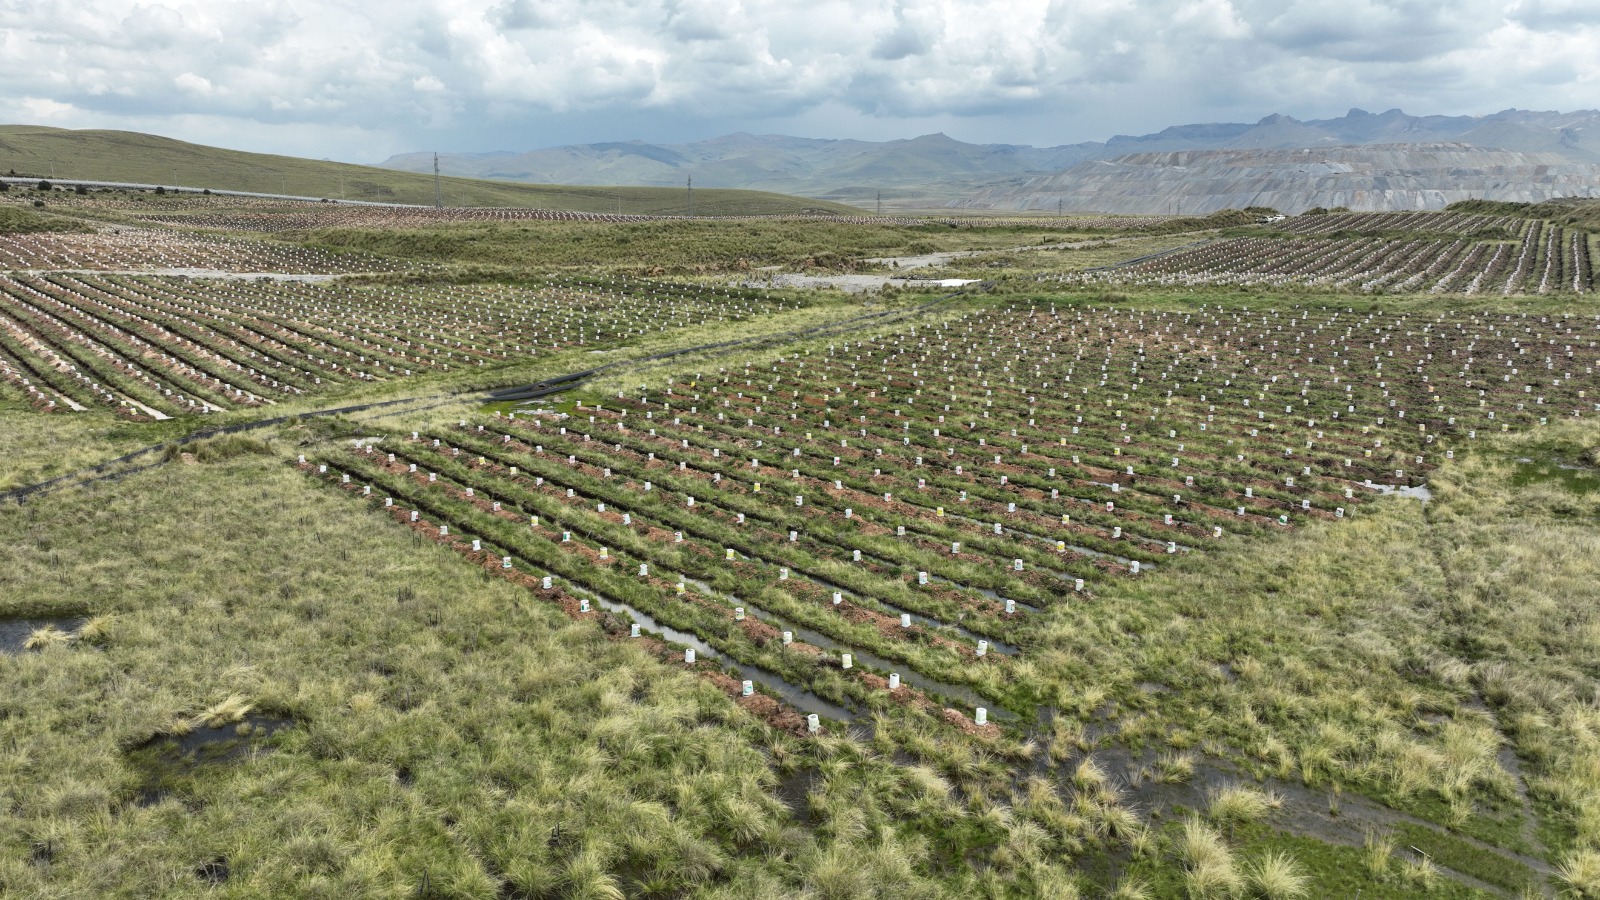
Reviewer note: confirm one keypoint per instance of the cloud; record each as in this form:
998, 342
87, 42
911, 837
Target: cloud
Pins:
493, 74
914, 33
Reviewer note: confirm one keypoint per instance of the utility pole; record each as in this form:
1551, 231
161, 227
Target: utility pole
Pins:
691, 196
1058, 207
880, 203
438, 192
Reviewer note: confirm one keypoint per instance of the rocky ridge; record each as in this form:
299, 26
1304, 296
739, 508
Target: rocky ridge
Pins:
1372, 177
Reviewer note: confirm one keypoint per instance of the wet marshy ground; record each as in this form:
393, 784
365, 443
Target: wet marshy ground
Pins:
1167, 793
1569, 474
168, 763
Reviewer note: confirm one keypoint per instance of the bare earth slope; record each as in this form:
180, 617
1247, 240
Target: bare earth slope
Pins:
1366, 178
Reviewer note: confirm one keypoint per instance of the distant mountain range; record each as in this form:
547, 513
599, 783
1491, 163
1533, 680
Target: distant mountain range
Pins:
1369, 177
936, 170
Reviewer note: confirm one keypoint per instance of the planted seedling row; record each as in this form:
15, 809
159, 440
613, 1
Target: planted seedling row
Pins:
642, 522
744, 639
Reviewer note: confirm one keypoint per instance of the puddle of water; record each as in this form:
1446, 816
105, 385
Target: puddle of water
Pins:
1420, 492
647, 622
794, 790
168, 760
203, 744
991, 594
800, 699
14, 633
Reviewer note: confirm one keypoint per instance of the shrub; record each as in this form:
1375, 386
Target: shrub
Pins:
4, 186
160, 189
43, 186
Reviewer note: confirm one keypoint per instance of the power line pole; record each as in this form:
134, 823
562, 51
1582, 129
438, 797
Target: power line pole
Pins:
880, 203
691, 196
438, 192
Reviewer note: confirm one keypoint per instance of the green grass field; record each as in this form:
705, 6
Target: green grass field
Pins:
697, 247
20, 220
124, 156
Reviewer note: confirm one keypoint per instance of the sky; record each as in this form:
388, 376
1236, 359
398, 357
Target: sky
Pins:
359, 81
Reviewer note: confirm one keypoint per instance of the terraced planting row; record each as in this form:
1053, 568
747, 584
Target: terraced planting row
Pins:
154, 347
1433, 222
304, 216
140, 249
874, 527
1544, 259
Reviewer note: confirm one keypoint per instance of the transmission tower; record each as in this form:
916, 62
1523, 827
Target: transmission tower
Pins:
438, 193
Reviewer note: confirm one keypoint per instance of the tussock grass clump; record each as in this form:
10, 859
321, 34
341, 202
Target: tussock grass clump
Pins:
1580, 872
1378, 851
1277, 876
46, 638
1210, 870
227, 711
1088, 776
1421, 873
220, 448
1174, 768
97, 631
1240, 805
1132, 887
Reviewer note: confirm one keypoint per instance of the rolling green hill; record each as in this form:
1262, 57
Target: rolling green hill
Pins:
41, 152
